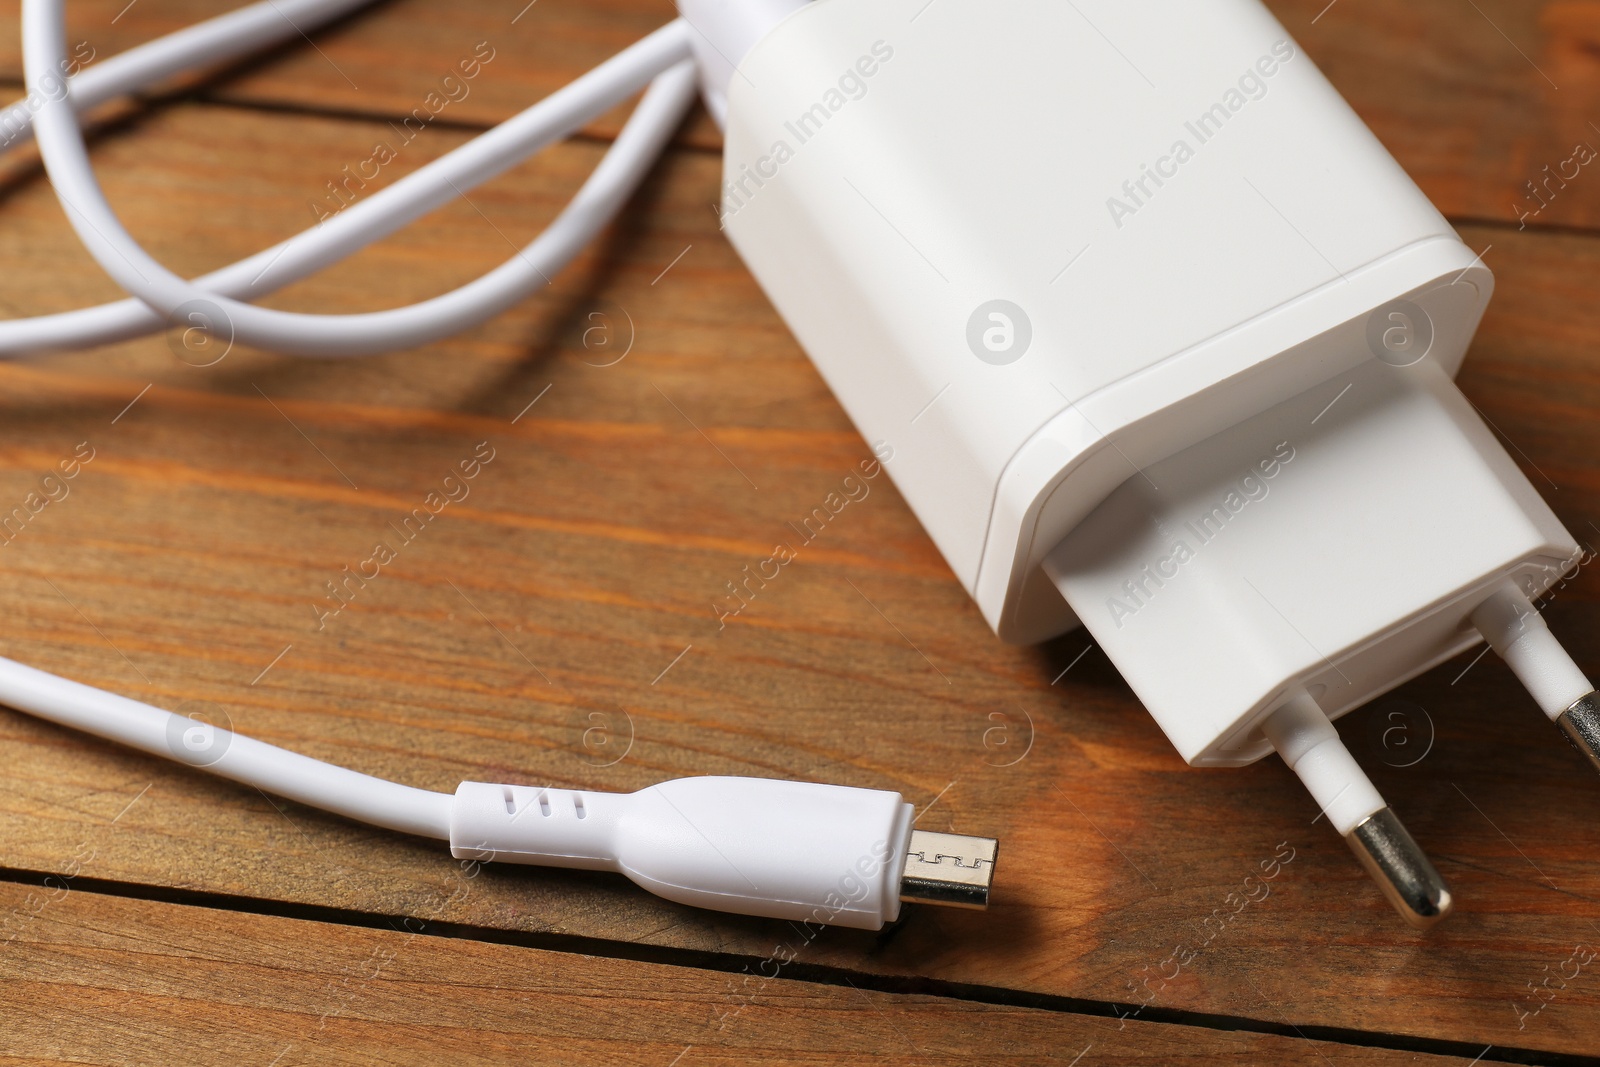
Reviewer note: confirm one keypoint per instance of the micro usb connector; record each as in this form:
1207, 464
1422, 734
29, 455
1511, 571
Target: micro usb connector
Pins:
949, 869
802, 851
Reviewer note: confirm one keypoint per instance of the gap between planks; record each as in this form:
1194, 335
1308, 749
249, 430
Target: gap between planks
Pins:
718, 962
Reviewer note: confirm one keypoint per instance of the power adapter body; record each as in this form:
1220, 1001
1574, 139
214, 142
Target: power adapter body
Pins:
1039, 248
1162, 340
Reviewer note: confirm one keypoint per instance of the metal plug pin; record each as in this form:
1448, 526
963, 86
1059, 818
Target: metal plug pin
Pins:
1401, 869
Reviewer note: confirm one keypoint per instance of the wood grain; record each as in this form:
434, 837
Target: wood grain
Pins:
534, 632
100, 980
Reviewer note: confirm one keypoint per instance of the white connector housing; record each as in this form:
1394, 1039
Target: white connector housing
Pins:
723, 32
825, 854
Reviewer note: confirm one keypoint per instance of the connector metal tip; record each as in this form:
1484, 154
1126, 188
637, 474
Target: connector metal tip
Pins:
950, 869
1581, 724
1400, 867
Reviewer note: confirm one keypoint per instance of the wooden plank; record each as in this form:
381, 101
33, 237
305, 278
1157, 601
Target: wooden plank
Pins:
96, 979
188, 561
1474, 100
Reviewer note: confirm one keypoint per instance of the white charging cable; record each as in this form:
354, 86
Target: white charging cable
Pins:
662, 56
808, 852
209, 43
827, 854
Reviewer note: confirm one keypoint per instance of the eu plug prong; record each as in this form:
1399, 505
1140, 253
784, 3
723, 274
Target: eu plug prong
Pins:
1515, 629
1581, 723
1400, 867
1311, 747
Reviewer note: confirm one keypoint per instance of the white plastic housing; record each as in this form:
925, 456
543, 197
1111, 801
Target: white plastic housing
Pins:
1338, 544
1310, 746
723, 31
891, 166
1516, 630
826, 854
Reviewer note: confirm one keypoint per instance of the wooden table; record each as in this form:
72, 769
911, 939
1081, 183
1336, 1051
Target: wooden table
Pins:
561, 617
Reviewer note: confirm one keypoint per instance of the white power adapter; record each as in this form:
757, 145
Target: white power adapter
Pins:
1162, 339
